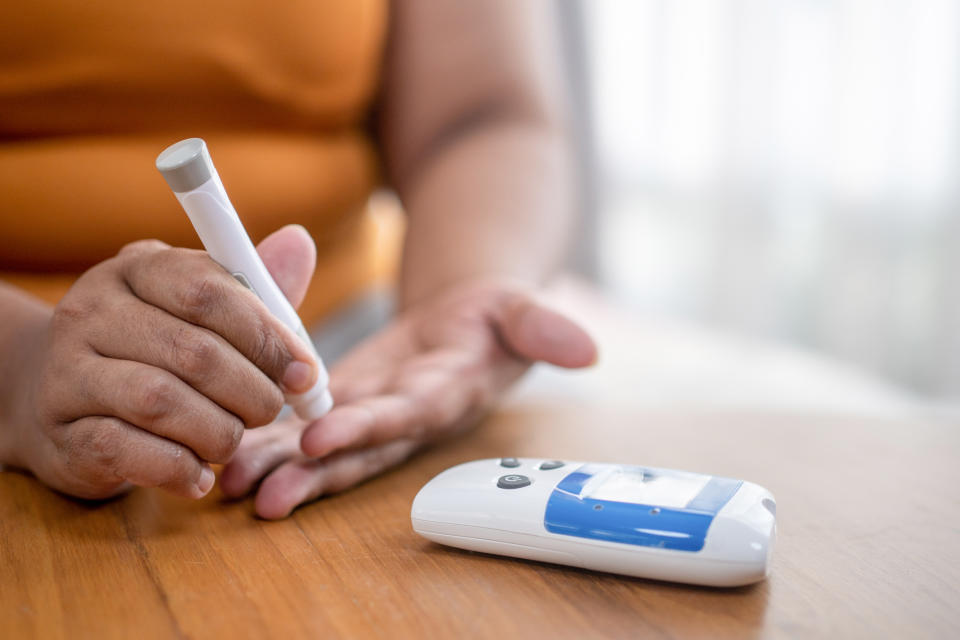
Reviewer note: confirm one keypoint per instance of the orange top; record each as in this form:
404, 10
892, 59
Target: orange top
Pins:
92, 90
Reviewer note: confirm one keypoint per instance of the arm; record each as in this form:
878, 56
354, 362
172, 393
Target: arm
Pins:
474, 137
474, 143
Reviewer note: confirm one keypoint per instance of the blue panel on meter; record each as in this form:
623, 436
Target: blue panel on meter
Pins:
638, 505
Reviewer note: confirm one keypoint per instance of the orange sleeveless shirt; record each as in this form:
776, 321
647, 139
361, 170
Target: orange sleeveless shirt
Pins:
92, 90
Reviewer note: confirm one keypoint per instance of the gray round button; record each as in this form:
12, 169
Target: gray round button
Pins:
513, 481
509, 463
551, 464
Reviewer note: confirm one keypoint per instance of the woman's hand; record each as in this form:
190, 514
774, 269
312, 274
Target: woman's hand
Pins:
152, 366
433, 372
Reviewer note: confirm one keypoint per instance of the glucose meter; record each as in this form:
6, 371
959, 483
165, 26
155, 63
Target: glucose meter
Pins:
633, 520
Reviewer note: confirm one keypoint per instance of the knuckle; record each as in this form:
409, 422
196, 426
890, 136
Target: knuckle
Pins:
154, 398
268, 405
269, 352
141, 246
200, 297
178, 468
273, 404
194, 353
73, 309
225, 441
102, 445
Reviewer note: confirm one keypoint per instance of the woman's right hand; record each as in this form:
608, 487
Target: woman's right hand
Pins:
152, 366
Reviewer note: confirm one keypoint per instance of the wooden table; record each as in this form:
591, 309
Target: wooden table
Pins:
869, 545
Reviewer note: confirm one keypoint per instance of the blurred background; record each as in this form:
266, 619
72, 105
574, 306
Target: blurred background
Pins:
780, 171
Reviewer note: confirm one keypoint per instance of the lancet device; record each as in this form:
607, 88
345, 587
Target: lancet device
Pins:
632, 520
188, 169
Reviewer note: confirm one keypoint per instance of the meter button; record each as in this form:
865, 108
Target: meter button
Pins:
551, 464
513, 481
509, 463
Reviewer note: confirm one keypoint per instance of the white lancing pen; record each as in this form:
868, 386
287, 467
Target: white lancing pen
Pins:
188, 169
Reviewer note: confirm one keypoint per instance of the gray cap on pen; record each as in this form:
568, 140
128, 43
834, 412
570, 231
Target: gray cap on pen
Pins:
186, 164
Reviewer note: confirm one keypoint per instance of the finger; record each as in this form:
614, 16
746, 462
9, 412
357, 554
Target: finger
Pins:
291, 257
106, 450
142, 247
192, 287
158, 402
537, 333
432, 393
371, 367
303, 480
198, 356
350, 381
347, 389
365, 422
260, 452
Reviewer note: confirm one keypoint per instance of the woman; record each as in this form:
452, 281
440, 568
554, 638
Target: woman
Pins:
154, 362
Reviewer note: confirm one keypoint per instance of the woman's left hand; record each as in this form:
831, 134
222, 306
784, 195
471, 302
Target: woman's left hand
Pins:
431, 373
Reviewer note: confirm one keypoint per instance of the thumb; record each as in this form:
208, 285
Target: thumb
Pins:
290, 257
534, 332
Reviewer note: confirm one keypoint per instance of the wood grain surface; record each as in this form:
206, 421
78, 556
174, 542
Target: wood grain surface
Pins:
869, 545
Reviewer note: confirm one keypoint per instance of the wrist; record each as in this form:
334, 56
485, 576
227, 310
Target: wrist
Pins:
26, 320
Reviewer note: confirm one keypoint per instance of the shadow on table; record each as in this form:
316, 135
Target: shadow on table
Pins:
615, 604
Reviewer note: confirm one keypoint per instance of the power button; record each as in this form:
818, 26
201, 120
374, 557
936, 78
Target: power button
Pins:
513, 481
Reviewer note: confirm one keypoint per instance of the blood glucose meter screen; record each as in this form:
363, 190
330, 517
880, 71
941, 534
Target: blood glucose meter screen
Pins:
671, 489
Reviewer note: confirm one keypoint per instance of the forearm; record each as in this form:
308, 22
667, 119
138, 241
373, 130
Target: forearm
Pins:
495, 200
23, 319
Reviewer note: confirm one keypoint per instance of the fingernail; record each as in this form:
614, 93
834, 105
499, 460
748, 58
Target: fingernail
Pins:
298, 377
205, 483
